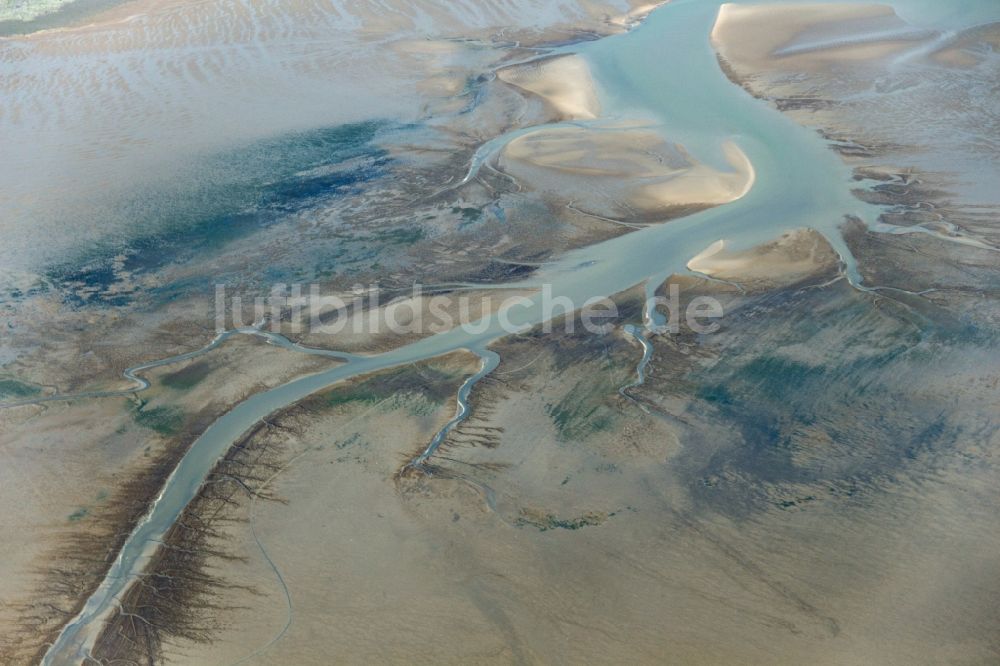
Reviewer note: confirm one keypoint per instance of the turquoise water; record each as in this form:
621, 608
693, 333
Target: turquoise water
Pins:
668, 69
665, 70
22, 17
948, 14
229, 196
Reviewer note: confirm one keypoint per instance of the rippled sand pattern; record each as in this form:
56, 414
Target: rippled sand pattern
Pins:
131, 97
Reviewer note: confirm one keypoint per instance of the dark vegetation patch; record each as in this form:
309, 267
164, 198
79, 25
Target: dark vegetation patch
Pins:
583, 411
165, 420
842, 419
14, 388
178, 597
468, 214
500, 271
424, 378
187, 377
571, 343
401, 236
544, 522
801, 103
69, 574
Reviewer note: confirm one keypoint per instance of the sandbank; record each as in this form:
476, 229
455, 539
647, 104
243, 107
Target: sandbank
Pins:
758, 38
564, 82
623, 171
793, 257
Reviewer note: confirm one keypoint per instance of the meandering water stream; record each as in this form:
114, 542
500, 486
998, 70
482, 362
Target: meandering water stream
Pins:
140, 383
489, 360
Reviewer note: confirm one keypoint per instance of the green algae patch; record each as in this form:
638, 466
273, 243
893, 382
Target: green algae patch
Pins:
163, 420
419, 388
13, 388
582, 412
544, 522
401, 236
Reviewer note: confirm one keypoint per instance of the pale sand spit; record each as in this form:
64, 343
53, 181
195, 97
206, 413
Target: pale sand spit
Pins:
623, 171
766, 37
793, 257
564, 82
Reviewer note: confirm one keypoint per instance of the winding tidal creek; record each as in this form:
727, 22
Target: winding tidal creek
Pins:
666, 70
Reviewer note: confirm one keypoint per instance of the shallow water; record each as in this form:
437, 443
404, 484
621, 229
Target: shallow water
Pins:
640, 336
665, 70
489, 360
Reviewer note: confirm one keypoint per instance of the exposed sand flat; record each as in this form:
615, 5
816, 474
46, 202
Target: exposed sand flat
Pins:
638, 12
441, 59
805, 36
701, 184
793, 257
557, 493
132, 97
623, 171
402, 319
564, 82
65, 462
813, 484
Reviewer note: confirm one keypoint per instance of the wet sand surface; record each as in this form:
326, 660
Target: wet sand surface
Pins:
813, 482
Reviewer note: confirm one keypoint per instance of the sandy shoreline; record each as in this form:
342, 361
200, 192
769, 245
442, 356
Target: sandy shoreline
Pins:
808, 38
793, 257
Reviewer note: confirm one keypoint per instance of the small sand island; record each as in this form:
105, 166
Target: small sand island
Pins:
623, 172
